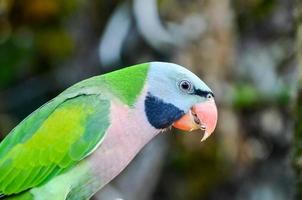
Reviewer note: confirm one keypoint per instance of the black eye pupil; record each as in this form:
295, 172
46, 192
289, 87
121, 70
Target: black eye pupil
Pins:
185, 85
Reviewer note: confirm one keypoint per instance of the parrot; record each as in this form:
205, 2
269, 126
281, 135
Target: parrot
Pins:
79, 141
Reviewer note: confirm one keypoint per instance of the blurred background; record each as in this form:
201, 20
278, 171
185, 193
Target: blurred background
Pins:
247, 51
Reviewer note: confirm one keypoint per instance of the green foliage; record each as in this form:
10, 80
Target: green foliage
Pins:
297, 150
54, 44
246, 96
33, 37
284, 97
15, 52
199, 168
253, 12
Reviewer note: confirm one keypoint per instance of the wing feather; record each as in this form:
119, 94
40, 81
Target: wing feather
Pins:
51, 140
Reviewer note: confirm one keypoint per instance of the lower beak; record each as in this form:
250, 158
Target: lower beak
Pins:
201, 116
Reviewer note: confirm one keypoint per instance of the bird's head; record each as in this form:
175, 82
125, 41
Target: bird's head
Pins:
177, 97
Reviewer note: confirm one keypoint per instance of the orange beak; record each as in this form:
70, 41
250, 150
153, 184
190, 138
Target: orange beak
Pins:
201, 116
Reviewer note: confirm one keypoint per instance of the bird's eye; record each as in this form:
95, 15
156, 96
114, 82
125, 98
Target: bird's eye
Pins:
209, 96
185, 86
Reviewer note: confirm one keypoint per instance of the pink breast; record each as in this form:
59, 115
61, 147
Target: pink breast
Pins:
128, 134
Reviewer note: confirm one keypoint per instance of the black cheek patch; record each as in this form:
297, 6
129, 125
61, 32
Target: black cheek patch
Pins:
160, 114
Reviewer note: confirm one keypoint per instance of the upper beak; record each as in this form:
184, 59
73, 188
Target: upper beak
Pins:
201, 116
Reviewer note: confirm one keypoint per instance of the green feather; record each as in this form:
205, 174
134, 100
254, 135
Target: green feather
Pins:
125, 84
67, 133
128, 82
58, 135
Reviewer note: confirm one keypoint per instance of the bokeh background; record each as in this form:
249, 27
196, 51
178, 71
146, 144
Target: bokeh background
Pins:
246, 50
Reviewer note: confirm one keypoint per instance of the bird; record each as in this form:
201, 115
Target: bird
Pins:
79, 141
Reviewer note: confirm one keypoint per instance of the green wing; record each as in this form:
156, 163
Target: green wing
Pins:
51, 140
